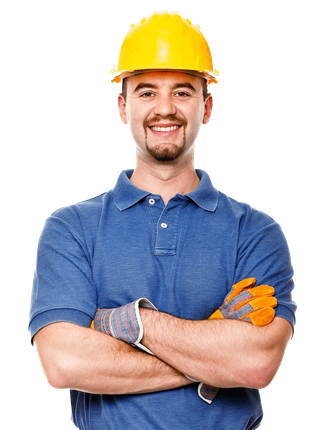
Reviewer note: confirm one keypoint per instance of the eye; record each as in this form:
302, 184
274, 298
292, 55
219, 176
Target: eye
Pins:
182, 94
147, 94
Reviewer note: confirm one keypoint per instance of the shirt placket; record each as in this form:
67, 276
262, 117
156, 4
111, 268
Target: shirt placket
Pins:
166, 218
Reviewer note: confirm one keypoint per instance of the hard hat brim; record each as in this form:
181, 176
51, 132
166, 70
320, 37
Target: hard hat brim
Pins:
211, 77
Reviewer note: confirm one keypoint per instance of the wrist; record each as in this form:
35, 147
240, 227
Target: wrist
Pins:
148, 317
157, 326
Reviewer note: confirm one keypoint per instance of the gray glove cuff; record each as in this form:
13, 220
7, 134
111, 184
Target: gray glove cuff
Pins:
124, 323
207, 392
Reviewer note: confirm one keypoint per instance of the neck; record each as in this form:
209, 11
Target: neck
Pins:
165, 180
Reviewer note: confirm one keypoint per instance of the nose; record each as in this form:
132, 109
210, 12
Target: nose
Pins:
164, 106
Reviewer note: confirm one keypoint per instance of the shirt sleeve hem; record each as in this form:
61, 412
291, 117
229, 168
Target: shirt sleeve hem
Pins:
58, 315
284, 312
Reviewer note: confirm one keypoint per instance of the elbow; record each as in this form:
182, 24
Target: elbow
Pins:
55, 372
262, 372
55, 369
254, 374
57, 376
262, 376
271, 355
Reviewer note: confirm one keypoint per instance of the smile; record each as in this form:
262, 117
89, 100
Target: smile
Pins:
165, 129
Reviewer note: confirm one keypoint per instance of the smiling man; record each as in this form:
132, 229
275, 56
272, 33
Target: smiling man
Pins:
163, 303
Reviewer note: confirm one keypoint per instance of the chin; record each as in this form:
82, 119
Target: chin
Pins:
168, 153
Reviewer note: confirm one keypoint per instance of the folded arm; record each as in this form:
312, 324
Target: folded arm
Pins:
223, 353
79, 358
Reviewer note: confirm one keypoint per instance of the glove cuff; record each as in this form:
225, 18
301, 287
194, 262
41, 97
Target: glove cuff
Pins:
207, 392
190, 379
126, 323
144, 303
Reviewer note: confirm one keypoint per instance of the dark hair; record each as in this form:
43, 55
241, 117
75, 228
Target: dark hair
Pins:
124, 89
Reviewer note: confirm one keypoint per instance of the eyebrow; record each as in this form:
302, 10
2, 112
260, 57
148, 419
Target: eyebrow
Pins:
184, 85
142, 85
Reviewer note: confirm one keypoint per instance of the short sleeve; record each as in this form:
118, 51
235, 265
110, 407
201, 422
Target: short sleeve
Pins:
63, 288
264, 255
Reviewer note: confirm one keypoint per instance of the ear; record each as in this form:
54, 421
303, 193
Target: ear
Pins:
208, 108
122, 109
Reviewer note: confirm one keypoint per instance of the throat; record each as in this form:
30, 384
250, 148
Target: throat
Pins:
165, 182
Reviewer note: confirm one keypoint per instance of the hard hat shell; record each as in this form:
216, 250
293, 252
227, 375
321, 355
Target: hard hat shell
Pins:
165, 41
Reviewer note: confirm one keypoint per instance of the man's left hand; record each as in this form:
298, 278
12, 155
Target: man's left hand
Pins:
248, 303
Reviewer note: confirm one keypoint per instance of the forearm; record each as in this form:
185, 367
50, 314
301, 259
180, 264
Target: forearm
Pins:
86, 360
223, 353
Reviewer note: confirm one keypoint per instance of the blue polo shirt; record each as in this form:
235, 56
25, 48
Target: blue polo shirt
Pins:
184, 257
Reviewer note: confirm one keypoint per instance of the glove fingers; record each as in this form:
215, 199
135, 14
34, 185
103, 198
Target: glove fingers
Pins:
263, 302
247, 285
257, 303
243, 298
246, 296
217, 315
239, 287
249, 307
262, 290
261, 317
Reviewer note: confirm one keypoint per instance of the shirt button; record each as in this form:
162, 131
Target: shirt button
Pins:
164, 225
151, 201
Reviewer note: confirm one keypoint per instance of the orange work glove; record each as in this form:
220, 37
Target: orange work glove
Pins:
245, 303
248, 303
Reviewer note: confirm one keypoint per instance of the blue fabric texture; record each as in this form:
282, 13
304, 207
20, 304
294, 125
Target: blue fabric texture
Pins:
183, 257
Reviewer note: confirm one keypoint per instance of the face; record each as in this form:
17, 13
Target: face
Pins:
165, 111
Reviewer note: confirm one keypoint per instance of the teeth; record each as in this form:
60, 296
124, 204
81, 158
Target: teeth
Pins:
165, 128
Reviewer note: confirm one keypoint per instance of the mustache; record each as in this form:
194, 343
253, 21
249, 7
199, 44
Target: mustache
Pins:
148, 122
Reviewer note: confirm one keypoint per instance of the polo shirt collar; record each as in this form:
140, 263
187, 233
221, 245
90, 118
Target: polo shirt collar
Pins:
125, 194
205, 195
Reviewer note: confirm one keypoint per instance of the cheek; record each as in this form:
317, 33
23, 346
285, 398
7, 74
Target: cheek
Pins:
194, 113
136, 115
137, 129
195, 121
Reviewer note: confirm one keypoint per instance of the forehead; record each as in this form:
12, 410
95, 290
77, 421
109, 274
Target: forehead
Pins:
164, 79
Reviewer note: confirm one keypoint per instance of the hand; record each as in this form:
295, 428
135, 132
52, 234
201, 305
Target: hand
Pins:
123, 323
244, 303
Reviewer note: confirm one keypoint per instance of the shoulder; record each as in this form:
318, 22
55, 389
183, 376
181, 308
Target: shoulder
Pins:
242, 213
87, 209
79, 221
253, 226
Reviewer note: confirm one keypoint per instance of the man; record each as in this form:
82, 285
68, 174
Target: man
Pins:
166, 236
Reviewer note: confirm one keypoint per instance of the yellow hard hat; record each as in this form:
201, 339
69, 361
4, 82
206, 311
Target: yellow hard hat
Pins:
165, 41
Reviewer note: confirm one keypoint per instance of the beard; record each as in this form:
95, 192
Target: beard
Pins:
166, 152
